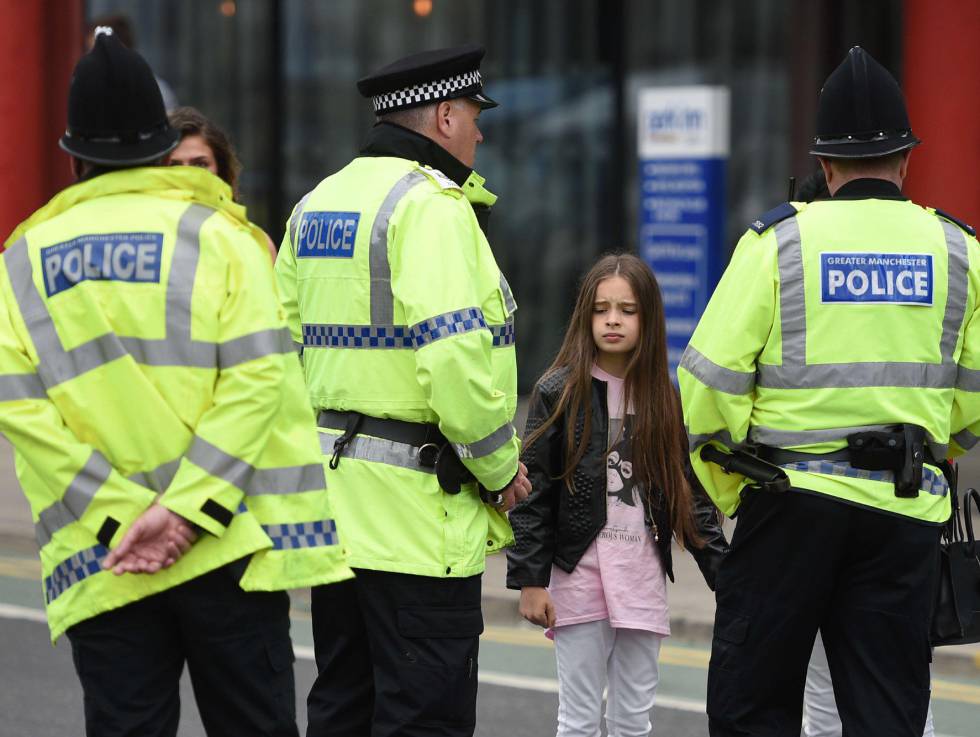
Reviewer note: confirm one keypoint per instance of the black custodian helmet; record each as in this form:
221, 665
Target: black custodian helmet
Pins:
116, 115
861, 113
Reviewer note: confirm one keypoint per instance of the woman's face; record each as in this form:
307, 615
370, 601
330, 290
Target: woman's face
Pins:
193, 150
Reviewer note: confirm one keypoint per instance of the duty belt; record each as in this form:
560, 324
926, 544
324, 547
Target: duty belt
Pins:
422, 435
901, 451
434, 449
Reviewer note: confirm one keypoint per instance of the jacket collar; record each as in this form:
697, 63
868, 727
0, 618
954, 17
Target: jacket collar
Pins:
187, 183
864, 189
388, 139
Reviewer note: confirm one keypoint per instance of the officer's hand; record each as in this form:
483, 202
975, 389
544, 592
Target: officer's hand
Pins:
156, 540
537, 607
516, 491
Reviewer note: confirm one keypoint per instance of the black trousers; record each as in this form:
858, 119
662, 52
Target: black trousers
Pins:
396, 654
235, 643
801, 562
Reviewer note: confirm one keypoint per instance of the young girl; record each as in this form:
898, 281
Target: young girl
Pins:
606, 455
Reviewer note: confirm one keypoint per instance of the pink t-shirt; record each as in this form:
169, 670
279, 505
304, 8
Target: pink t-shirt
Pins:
620, 576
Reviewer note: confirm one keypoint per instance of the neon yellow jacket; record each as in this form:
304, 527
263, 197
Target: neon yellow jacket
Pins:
392, 289
143, 356
796, 350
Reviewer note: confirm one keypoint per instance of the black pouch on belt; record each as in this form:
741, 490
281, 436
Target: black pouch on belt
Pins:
900, 451
450, 471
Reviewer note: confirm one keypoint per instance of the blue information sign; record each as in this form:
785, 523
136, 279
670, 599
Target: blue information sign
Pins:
683, 156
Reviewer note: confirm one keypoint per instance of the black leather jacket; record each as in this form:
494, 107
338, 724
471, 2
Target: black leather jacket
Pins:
554, 526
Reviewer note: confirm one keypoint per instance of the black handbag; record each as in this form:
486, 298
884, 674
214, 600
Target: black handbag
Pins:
956, 615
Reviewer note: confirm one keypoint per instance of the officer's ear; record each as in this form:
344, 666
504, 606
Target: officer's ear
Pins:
445, 118
77, 168
903, 170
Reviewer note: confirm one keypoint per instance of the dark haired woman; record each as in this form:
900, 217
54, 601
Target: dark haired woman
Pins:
606, 455
204, 144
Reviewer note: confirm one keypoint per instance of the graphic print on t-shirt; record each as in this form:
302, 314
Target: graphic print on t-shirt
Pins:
619, 467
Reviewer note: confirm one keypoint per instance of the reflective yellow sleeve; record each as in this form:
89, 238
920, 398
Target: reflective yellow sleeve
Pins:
717, 372
965, 420
434, 257
286, 281
218, 467
74, 483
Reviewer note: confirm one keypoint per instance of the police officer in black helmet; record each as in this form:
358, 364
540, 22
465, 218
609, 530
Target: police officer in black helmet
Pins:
855, 387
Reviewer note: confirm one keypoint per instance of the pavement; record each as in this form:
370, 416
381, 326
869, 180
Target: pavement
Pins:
692, 604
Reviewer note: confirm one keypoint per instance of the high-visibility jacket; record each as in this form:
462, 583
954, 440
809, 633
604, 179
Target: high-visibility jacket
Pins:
144, 356
832, 318
402, 312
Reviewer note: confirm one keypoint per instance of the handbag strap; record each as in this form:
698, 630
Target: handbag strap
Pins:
974, 496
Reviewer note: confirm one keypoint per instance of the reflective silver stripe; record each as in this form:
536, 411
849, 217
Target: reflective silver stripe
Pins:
295, 219
445, 325
509, 304
56, 365
965, 439
21, 386
298, 348
717, 377
382, 299
287, 480
76, 499
792, 295
484, 447
858, 375
967, 380
957, 276
932, 483
250, 480
376, 450
159, 478
722, 436
254, 345
798, 438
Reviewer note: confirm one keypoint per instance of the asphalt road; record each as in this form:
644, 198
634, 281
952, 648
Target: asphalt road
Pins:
41, 697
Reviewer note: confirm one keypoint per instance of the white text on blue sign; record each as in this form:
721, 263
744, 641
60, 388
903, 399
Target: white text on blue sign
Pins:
876, 278
130, 257
327, 234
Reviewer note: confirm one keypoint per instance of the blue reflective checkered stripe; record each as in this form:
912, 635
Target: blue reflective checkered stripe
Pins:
503, 335
302, 534
74, 569
932, 483
403, 336
445, 325
356, 336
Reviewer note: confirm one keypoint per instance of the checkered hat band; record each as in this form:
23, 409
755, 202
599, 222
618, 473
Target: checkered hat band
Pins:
440, 89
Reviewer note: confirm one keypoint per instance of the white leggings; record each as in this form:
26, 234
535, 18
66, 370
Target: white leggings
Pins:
819, 705
592, 654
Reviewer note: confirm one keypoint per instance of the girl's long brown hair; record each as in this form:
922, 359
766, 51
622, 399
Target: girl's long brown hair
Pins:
657, 437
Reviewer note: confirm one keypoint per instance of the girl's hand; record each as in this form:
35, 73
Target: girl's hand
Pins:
536, 606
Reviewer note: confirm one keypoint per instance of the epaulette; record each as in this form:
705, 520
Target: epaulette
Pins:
946, 216
775, 215
439, 178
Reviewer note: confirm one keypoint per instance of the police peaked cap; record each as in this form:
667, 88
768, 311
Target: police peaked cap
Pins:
861, 112
427, 77
116, 115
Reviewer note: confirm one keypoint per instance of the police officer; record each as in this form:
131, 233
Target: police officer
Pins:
842, 348
407, 332
149, 389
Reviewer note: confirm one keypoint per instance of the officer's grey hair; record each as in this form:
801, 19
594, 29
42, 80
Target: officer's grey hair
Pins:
415, 118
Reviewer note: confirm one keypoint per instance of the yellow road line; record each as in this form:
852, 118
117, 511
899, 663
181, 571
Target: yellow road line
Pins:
698, 658
26, 568
952, 691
